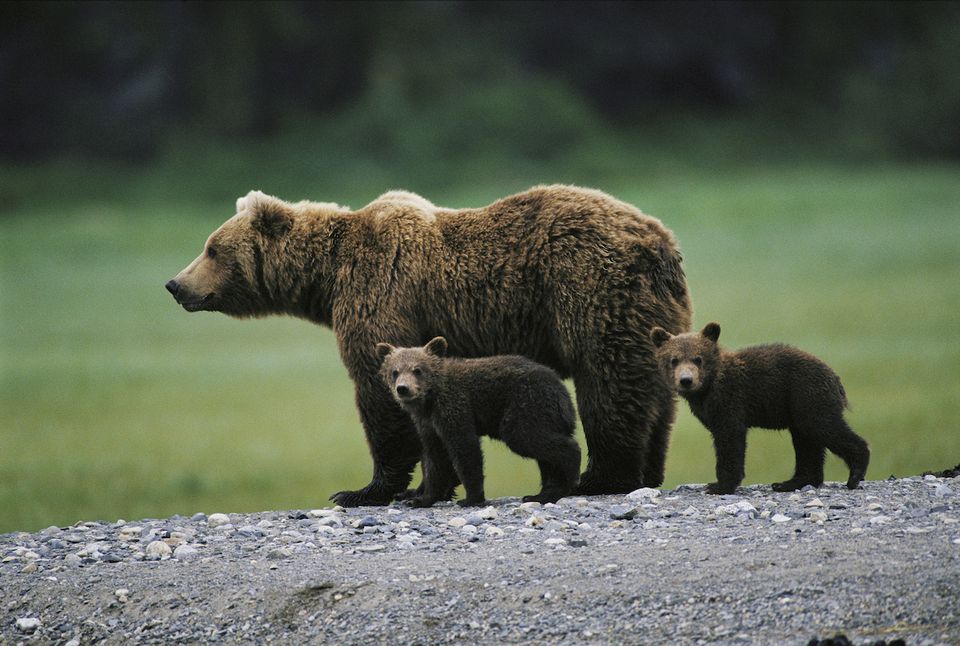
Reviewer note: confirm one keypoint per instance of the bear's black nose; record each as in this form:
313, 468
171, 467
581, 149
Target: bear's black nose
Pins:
173, 287
402, 390
686, 382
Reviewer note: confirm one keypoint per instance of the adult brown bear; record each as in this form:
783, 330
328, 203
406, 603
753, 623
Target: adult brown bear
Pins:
569, 277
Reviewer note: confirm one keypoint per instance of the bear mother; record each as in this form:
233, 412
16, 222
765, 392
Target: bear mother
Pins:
569, 277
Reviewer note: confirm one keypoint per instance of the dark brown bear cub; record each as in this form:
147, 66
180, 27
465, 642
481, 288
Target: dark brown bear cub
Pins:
765, 386
455, 401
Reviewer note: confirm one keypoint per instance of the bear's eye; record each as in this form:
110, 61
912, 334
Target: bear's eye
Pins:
674, 361
211, 252
416, 372
395, 374
697, 361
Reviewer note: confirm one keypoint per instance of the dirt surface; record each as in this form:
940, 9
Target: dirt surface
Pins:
678, 566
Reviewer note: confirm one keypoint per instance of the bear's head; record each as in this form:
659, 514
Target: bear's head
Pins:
237, 272
410, 373
687, 361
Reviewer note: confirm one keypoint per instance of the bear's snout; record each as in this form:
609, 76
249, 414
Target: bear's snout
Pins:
173, 287
686, 381
403, 390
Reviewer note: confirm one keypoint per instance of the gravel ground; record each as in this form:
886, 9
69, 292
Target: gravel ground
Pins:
877, 564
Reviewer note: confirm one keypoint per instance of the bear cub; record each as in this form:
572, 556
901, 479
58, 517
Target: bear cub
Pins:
454, 401
767, 386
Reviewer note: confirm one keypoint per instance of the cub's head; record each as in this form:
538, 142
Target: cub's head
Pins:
409, 372
237, 272
687, 361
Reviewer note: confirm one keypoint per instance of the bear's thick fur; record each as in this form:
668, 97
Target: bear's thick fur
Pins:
569, 277
455, 401
766, 386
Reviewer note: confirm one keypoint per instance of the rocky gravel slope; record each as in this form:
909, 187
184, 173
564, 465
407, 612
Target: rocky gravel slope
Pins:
877, 564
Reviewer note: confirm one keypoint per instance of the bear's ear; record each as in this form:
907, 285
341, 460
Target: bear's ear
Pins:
271, 217
659, 336
383, 349
437, 346
711, 331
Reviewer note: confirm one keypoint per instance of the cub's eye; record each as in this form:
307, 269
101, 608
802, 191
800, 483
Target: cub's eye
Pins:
417, 372
697, 361
395, 374
674, 361
211, 252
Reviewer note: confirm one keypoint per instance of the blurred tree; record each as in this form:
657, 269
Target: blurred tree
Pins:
114, 78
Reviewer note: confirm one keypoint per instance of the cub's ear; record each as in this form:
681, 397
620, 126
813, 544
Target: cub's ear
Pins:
437, 346
659, 336
271, 217
711, 331
383, 349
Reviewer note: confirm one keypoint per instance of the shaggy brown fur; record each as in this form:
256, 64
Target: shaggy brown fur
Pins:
455, 401
766, 386
571, 278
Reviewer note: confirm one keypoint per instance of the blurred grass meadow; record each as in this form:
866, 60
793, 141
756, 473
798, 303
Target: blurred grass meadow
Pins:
815, 195
116, 403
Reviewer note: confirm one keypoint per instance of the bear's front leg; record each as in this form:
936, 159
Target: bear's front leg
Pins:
438, 473
730, 444
394, 446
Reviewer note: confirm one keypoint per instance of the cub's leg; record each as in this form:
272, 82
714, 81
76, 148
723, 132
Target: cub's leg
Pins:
850, 447
810, 453
730, 445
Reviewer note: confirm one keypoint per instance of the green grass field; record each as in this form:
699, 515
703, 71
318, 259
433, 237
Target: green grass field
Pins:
115, 403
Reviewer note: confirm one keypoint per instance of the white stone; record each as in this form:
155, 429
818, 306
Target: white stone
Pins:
159, 549
122, 594
534, 521
469, 530
817, 517
643, 493
28, 625
555, 541
494, 532
457, 521
780, 518
487, 513
816, 502
216, 520
880, 520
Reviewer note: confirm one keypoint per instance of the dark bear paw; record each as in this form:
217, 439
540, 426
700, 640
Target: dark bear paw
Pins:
544, 497
369, 496
419, 502
593, 485
472, 502
718, 489
793, 484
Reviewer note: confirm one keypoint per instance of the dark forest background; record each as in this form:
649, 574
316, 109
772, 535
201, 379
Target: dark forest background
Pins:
120, 80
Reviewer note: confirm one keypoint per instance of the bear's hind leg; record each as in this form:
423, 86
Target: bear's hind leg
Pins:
653, 473
617, 424
559, 469
851, 448
810, 454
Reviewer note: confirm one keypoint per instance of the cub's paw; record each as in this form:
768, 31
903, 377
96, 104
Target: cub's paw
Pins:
793, 485
544, 498
366, 497
472, 502
408, 494
718, 489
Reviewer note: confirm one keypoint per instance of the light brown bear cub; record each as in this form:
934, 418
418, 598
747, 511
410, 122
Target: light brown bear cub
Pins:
455, 401
766, 386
